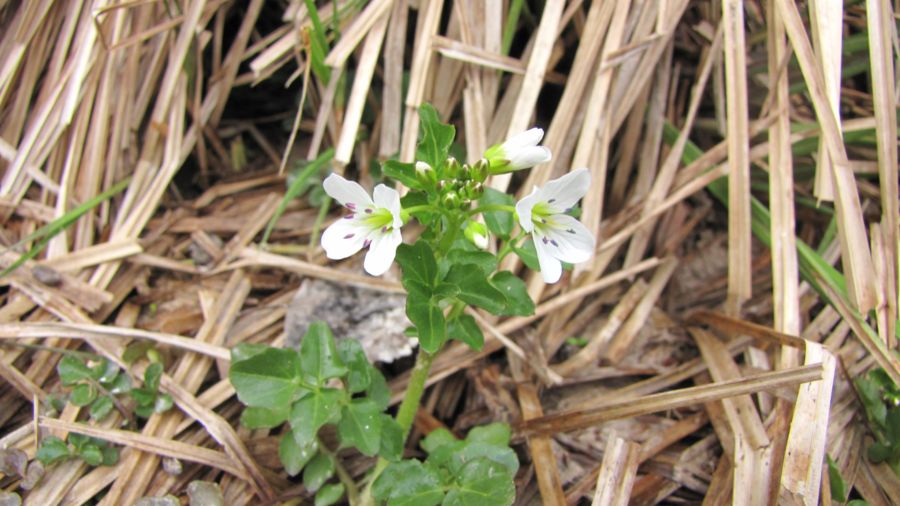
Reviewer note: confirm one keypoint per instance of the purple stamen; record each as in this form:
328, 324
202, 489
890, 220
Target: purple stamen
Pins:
570, 230
366, 243
384, 229
545, 240
551, 201
554, 243
543, 220
349, 236
350, 216
351, 206
369, 210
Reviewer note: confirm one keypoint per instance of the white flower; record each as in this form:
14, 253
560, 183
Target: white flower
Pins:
373, 224
557, 236
518, 152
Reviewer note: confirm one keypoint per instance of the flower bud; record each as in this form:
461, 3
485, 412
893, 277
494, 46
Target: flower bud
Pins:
478, 171
425, 174
477, 234
452, 168
451, 200
518, 152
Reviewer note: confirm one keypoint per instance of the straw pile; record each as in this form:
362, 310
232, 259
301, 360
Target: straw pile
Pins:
709, 369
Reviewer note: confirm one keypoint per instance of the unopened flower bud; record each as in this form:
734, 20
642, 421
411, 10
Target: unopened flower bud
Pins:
478, 171
451, 200
425, 174
518, 152
452, 168
477, 234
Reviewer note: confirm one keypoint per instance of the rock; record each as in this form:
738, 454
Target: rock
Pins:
376, 319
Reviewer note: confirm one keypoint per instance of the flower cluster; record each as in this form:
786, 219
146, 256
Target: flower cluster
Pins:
450, 187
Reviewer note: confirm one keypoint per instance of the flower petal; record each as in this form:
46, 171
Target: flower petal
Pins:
343, 238
529, 157
382, 251
524, 207
388, 198
563, 193
551, 268
525, 139
573, 241
348, 193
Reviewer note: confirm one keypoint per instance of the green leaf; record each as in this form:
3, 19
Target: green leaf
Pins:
110, 455
318, 471
152, 375
465, 329
318, 355
78, 441
518, 302
378, 391
297, 186
838, 487
857, 502
106, 372
436, 137
475, 289
360, 426
91, 454
313, 411
136, 350
473, 450
482, 482
871, 398
436, 439
409, 483
500, 223
143, 397
245, 351
528, 254
120, 385
485, 261
892, 425
255, 417
162, 403
359, 374
418, 264
879, 452
391, 439
72, 370
495, 433
83, 394
403, 172
429, 321
294, 456
52, 450
329, 494
268, 380
101, 407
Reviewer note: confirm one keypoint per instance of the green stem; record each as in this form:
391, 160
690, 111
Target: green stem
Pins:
406, 414
343, 475
508, 246
491, 207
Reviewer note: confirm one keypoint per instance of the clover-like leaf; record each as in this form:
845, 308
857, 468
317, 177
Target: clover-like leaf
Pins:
245, 351
255, 417
360, 426
418, 264
319, 358
329, 494
52, 450
474, 288
313, 411
71, 370
482, 482
517, 301
436, 439
497, 434
391, 439
434, 145
409, 483
485, 261
403, 172
429, 321
91, 454
268, 380
464, 328
101, 407
359, 370
318, 471
83, 394
152, 376
378, 392
294, 456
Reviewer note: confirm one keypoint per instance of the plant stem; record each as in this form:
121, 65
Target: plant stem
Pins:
406, 414
343, 475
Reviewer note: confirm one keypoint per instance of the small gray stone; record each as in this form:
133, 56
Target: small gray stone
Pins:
168, 500
376, 319
205, 493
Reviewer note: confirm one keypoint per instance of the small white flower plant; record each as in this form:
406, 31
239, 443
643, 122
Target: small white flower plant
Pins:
445, 271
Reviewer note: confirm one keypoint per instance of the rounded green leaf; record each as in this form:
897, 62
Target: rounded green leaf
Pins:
482, 482
162, 403
359, 370
72, 370
91, 454
269, 379
391, 439
360, 426
101, 407
378, 390
329, 494
409, 483
294, 456
255, 417
52, 449
83, 394
464, 328
318, 471
110, 455
500, 223
436, 439
319, 358
517, 301
495, 433
152, 375
313, 411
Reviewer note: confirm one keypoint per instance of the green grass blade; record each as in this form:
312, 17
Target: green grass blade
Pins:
297, 187
44, 234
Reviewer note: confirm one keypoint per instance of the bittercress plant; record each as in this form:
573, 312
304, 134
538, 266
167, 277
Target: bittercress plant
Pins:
447, 272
